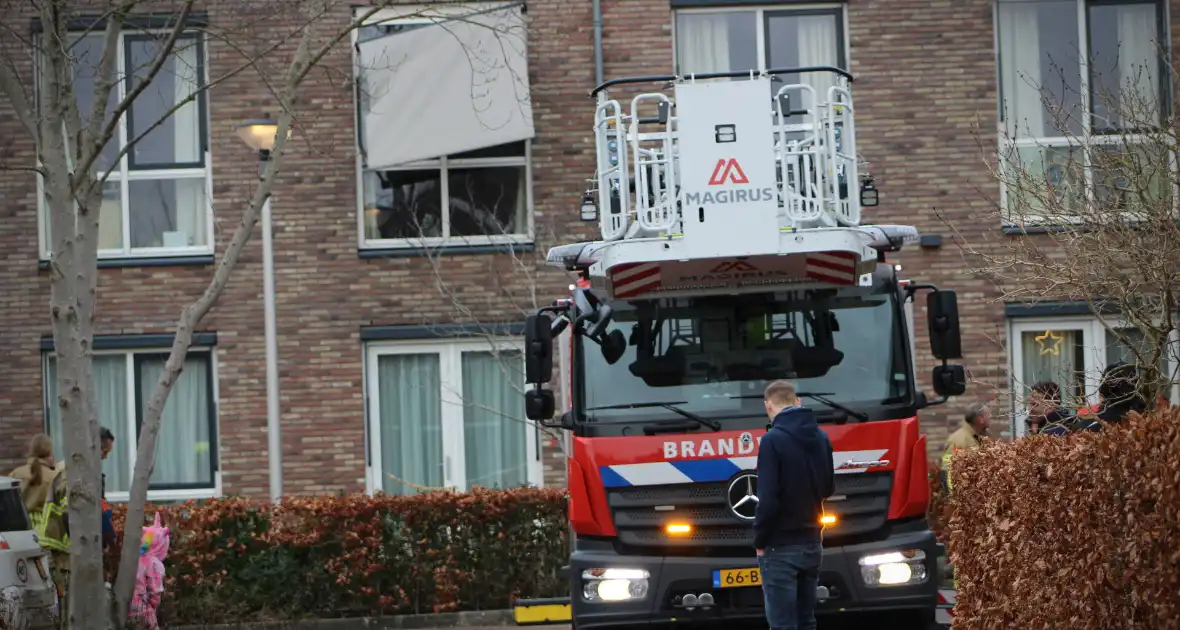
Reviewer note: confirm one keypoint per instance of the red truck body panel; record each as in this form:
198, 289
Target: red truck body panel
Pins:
597, 463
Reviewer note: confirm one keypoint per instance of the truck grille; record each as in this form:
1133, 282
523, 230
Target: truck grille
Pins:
860, 503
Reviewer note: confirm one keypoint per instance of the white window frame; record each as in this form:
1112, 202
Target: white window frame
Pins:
123, 175
450, 355
1094, 334
128, 430
1089, 141
760, 12
420, 14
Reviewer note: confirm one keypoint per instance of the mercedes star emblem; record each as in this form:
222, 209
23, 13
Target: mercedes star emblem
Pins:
743, 496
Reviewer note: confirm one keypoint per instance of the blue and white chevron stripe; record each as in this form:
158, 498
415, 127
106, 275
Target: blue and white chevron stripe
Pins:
683, 471
706, 470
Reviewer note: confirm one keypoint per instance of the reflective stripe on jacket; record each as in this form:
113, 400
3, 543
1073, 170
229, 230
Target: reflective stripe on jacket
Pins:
945, 466
52, 524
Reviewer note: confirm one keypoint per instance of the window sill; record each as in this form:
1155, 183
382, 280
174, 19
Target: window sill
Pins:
445, 250
1014, 230
152, 261
155, 496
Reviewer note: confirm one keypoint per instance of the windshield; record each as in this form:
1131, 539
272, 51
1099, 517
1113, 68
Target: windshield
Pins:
714, 356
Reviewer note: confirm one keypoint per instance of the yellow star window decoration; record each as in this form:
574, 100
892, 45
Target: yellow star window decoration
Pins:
1050, 343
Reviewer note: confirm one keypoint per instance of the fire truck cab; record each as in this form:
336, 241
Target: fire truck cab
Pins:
732, 254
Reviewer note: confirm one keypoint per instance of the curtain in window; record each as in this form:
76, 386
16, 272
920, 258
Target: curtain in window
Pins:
1054, 358
190, 199
703, 40
410, 414
184, 444
1117, 350
817, 47
494, 426
1020, 77
1138, 62
110, 382
185, 123
110, 216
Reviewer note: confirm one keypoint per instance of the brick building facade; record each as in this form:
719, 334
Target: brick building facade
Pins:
361, 311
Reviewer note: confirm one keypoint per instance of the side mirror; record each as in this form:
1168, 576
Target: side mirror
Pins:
539, 404
942, 315
613, 347
949, 380
602, 318
538, 349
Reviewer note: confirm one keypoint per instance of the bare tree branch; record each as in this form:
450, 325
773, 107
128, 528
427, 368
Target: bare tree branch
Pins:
1097, 213
11, 86
97, 134
180, 104
190, 317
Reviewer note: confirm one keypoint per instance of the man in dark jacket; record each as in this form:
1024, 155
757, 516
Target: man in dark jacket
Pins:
795, 475
1119, 394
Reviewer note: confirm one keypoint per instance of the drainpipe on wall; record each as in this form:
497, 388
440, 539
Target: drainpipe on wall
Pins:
598, 70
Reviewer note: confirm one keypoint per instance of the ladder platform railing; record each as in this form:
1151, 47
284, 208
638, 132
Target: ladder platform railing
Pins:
638, 176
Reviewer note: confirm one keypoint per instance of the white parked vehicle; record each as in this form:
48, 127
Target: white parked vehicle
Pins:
28, 596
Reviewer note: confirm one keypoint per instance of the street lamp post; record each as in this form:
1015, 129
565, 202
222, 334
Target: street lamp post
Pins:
259, 134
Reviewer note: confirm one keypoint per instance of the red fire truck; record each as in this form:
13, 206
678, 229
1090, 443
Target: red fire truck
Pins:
733, 254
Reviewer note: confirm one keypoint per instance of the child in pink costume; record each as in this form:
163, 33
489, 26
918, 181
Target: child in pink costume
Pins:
149, 581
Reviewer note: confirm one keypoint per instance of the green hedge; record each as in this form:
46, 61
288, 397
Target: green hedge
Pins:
343, 556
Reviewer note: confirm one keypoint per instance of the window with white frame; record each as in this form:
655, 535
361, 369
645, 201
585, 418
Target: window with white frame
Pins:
1073, 352
448, 165
448, 414
1081, 84
156, 199
763, 38
186, 449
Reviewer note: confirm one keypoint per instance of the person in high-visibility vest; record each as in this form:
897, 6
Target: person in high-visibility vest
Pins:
53, 530
53, 524
969, 436
34, 476
975, 426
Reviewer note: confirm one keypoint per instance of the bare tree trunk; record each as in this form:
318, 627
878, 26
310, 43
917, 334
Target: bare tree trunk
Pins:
190, 318
69, 152
72, 297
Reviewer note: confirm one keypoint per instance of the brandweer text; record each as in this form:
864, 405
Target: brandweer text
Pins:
710, 448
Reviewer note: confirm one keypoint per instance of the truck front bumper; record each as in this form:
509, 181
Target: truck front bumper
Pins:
671, 578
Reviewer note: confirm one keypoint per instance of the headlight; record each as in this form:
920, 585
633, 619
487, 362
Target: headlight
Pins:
894, 568
614, 585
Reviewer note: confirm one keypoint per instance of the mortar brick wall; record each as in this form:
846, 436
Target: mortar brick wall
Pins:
927, 101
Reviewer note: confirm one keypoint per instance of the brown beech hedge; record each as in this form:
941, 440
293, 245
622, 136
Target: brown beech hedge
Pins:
236, 560
1077, 532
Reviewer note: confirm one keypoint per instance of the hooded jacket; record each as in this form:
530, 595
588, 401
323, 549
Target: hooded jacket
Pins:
795, 475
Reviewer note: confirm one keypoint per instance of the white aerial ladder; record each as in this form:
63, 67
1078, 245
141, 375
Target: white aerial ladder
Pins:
724, 187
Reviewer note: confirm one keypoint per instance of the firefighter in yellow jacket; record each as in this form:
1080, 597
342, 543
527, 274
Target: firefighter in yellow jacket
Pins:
52, 525
975, 426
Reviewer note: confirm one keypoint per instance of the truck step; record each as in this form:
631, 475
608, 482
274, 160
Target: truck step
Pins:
539, 612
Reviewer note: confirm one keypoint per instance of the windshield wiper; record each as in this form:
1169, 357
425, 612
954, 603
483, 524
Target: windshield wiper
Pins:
821, 398
670, 406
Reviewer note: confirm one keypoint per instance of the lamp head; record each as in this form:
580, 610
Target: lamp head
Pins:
258, 134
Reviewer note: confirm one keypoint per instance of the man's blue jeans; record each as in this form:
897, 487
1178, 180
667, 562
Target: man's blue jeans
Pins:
790, 577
